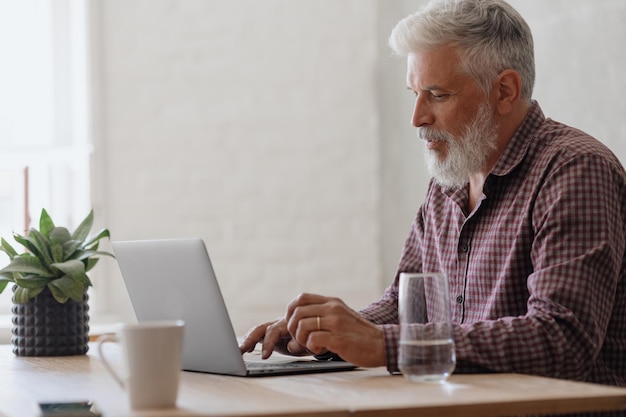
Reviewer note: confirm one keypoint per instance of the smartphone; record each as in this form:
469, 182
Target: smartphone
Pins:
69, 409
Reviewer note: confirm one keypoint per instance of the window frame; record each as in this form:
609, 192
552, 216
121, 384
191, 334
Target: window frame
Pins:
57, 172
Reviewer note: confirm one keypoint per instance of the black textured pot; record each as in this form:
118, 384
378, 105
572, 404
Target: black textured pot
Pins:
45, 327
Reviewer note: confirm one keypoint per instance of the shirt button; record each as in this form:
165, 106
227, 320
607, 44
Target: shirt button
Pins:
459, 299
464, 247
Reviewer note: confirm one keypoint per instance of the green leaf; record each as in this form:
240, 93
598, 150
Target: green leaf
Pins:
3, 283
58, 294
81, 254
41, 246
60, 235
22, 295
8, 249
91, 262
27, 264
82, 231
68, 287
73, 268
9, 275
103, 233
32, 281
85, 254
70, 247
83, 279
27, 243
56, 249
92, 246
45, 223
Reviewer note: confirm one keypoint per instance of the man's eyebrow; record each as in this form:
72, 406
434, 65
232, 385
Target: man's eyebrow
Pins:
428, 88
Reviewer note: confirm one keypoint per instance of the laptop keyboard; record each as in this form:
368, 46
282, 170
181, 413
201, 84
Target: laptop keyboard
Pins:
287, 365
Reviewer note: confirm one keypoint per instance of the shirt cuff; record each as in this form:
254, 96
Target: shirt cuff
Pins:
391, 334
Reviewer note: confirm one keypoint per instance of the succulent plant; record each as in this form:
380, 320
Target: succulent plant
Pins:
54, 258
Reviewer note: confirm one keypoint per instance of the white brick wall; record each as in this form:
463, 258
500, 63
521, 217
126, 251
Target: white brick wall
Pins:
252, 124
279, 132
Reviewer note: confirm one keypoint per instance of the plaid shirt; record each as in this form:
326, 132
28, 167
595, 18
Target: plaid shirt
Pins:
537, 270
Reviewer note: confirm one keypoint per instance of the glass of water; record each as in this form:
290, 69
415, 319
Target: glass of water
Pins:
426, 351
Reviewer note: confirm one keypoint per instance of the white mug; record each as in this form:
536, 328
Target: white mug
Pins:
152, 353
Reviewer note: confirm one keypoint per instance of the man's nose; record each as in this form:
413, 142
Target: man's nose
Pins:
422, 114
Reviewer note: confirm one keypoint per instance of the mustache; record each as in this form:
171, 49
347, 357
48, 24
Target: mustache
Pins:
427, 133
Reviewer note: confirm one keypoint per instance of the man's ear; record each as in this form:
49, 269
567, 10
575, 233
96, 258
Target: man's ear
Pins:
508, 89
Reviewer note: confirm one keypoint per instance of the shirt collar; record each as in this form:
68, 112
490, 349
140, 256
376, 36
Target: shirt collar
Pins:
520, 142
516, 149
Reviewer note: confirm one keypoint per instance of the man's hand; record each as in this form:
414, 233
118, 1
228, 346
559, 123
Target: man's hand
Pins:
274, 337
324, 324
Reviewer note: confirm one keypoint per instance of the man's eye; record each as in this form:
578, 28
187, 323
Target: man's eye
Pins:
440, 96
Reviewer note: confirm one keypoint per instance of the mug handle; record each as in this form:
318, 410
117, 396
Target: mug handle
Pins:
101, 341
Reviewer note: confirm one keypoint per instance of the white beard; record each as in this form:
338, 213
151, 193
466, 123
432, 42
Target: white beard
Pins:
466, 155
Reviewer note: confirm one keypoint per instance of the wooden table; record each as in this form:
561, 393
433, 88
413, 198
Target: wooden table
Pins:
372, 392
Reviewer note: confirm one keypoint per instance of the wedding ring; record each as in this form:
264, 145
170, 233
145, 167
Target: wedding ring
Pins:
319, 327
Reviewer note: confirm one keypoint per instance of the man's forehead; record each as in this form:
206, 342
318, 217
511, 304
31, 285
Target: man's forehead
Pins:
434, 69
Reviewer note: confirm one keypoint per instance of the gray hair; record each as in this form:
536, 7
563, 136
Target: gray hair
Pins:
491, 36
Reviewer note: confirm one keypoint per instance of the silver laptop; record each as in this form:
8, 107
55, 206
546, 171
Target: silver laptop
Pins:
174, 279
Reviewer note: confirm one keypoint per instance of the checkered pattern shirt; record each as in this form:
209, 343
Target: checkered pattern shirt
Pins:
537, 270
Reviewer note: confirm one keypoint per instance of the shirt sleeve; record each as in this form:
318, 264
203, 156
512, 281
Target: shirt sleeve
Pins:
577, 252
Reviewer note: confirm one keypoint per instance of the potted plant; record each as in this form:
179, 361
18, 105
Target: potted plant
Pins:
50, 310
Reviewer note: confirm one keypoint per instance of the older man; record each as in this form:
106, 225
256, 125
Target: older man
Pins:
526, 216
